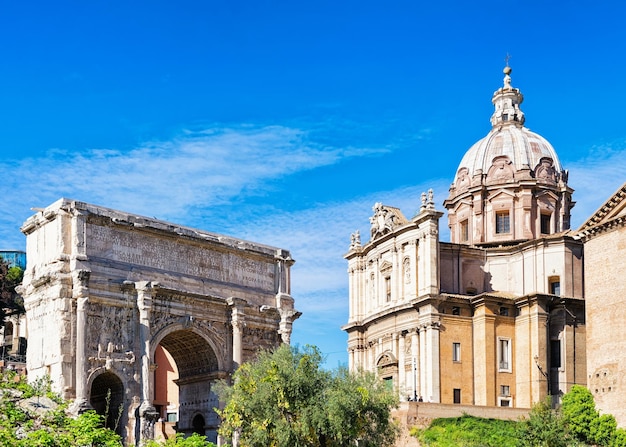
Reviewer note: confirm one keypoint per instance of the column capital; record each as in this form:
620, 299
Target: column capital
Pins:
236, 302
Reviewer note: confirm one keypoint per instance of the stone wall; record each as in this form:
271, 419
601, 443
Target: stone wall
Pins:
605, 290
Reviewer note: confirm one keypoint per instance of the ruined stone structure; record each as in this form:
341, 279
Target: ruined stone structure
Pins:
604, 235
495, 317
103, 289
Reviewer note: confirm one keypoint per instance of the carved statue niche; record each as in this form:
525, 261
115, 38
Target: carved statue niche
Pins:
406, 269
501, 170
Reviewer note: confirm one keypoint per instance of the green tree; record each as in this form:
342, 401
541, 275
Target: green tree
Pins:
286, 399
10, 301
579, 412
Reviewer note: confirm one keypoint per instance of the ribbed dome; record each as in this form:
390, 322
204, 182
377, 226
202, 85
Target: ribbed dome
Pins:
508, 138
524, 149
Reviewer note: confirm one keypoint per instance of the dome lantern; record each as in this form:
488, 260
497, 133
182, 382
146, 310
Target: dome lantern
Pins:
507, 101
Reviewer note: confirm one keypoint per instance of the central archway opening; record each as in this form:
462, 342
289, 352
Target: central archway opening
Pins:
186, 368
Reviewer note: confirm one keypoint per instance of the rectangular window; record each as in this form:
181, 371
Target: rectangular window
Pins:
388, 288
464, 231
456, 352
505, 390
505, 402
457, 395
504, 311
555, 353
545, 224
504, 354
502, 222
456, 310
555, 286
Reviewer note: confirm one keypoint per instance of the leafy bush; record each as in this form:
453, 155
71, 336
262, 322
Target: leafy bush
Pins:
603, 429
619, 440
26, 422
544, 427
579, 412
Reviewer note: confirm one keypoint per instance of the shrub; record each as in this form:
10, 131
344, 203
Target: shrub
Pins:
579, 412
603, 430
544, 427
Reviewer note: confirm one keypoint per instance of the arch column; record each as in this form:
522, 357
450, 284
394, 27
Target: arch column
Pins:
80, 293
237, 322
147, 413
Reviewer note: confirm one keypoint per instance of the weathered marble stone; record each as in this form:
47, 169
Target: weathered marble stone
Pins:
103, 288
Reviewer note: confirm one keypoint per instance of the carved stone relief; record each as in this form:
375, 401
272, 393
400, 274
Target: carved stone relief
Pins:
501, 170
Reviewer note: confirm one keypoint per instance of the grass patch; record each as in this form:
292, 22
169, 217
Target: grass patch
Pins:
468, 431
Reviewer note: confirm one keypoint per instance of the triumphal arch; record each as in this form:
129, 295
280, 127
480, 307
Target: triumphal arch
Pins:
104, 288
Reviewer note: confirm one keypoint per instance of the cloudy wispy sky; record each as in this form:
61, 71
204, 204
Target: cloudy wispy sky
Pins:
283, 122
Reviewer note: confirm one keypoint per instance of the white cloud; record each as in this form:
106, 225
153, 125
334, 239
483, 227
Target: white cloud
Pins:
164, 179
595, 177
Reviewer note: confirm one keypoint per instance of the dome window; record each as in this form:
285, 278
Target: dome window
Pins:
464, 231
503, 223
545, 224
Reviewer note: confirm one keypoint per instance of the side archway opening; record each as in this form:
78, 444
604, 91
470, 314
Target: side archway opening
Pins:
107, 398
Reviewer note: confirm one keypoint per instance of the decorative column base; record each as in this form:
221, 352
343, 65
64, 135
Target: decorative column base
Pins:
149, 416
79, 406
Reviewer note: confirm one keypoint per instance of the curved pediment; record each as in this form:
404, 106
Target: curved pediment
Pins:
386, 359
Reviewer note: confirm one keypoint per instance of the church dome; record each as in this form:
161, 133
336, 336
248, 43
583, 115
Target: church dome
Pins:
508, 139
525, 150
510, 185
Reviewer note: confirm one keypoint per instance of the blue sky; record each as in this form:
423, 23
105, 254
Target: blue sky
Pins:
283, 122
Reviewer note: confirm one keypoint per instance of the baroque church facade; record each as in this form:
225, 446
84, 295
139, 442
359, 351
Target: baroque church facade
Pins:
495, 317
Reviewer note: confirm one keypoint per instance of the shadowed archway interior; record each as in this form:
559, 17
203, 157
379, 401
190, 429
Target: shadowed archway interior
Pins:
107, 397
192, 354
